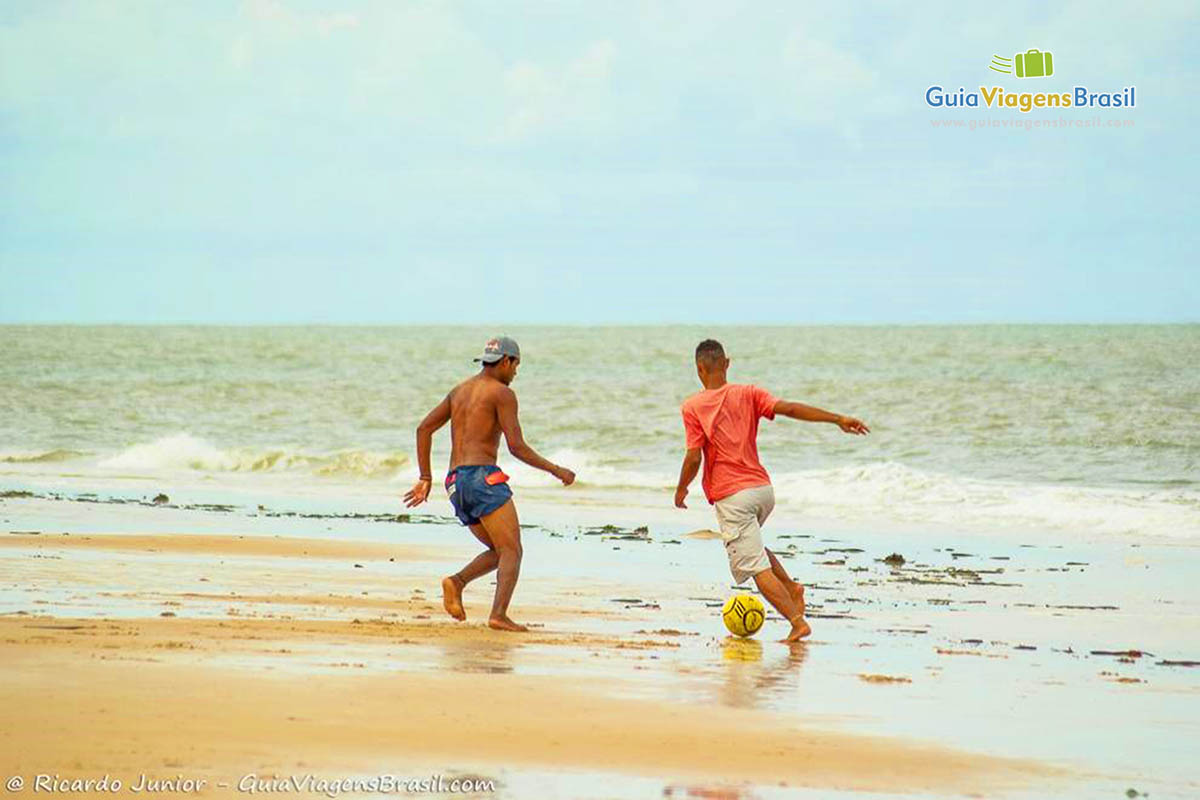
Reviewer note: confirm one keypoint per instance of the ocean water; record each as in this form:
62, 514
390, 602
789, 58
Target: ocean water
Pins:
1091, 429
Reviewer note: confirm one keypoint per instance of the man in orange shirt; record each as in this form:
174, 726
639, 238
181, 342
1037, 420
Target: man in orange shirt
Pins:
721, 424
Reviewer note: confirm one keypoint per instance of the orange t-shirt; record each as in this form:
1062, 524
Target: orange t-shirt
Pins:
725, 423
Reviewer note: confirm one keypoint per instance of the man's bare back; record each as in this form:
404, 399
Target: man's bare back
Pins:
475, 419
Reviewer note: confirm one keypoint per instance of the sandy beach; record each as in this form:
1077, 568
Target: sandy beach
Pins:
204, 656
159, 699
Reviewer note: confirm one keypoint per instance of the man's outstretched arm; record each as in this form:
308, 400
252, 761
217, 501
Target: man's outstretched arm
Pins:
434, 420
506, 409
687, 473
800, 411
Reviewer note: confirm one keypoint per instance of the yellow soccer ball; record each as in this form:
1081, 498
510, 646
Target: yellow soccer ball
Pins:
743, 614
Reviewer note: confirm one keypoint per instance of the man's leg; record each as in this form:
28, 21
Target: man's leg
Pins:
779, 596
504, 530
766, 499
795, 588
482, 564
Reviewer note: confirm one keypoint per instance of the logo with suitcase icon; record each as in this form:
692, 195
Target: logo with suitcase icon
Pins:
1033, 63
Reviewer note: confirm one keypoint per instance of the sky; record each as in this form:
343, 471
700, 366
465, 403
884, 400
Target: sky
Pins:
279, 161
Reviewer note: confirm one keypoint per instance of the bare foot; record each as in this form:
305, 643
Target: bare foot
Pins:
799, 630
452, 598
505, 624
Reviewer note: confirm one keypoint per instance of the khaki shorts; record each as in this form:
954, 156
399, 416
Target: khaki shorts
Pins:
740, 517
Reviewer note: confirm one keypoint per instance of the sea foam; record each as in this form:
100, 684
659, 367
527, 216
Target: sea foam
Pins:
872, 494
182, 451
892, 491
40, 456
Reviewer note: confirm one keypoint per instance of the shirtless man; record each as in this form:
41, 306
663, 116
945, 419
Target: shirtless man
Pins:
721, 424
479, 410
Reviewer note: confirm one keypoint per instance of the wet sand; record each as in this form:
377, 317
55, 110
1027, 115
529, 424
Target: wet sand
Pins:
168, 692
136, 698
214, 656
216, 545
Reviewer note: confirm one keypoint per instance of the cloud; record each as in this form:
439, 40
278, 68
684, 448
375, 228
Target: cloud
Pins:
826, 68
829, 82
278, 14
274, 18
575, 95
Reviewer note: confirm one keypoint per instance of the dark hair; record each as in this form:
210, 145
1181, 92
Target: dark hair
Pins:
710, 351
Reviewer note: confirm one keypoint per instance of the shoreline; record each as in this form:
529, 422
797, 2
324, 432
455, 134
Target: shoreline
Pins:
539, 506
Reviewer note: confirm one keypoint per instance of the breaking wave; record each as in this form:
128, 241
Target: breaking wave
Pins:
184, 451
876, 494
884, 493
46, 457
896, 492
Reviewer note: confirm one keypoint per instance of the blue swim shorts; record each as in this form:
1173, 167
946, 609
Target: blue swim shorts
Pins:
476, 491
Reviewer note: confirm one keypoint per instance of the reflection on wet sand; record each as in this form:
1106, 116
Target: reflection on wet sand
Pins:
749, 680
493, 656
